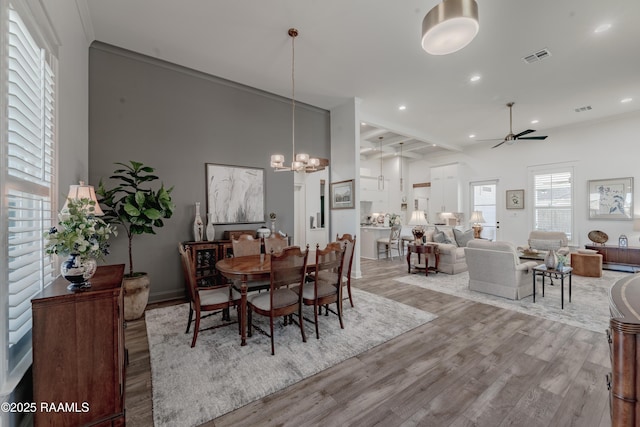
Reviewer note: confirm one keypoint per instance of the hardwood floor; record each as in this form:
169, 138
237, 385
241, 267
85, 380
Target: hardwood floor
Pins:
475, 365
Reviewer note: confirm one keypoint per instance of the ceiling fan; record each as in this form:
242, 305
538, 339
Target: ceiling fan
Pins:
511, 137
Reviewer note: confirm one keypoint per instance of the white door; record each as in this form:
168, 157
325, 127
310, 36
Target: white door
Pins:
484, 198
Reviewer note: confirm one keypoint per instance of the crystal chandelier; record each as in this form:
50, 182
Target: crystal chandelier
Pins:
301, 162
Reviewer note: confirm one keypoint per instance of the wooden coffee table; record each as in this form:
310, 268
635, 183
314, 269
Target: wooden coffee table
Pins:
425, 249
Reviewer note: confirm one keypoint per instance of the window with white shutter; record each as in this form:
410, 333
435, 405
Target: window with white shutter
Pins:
553, 200
28, 185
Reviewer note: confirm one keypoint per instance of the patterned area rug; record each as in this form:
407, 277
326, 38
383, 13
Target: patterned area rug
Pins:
195, 385
588, 309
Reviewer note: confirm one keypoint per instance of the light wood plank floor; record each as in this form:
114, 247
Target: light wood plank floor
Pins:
475, 365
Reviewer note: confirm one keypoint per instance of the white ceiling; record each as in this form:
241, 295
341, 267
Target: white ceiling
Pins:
370, 49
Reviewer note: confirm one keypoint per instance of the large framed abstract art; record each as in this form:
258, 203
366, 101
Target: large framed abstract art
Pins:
235, 194
611, 199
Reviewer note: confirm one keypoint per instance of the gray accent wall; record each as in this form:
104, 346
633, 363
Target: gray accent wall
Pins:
176, 120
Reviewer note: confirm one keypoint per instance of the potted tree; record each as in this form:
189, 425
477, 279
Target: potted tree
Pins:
139, 210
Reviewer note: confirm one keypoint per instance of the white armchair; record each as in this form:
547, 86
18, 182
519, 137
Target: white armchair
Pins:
494, 268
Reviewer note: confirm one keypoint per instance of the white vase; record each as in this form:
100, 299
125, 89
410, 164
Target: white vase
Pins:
551, 260
211, 231
198, 225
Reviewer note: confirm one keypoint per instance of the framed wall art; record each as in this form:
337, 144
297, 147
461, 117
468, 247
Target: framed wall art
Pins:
611, 199
515, 199
343, 195
235, 194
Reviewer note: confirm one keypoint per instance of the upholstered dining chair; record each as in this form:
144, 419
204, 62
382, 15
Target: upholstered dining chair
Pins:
326, 288
245, 245
391, 242
210, 299
275, 243
349, 243
287, 268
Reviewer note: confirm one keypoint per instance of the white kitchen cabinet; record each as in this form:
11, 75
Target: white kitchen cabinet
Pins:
446, 190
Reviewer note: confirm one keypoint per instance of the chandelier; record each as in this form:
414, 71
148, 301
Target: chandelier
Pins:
301, 162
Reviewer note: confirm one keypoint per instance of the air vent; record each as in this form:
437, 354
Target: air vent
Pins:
537, 56
581, 109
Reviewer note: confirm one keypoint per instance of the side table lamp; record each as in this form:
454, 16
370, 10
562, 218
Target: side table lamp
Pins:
418, 220
476, 219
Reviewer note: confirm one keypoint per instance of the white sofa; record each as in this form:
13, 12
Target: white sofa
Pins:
494, 268
452, 257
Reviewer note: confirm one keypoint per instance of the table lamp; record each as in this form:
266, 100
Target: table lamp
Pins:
418, 220
476, 219
83, 191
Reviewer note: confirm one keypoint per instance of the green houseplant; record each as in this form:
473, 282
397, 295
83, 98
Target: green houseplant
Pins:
139, 210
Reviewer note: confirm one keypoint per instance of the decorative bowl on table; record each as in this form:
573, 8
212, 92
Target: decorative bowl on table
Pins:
597, 236
530, 252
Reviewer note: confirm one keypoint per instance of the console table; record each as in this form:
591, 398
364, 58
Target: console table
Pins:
78, 351
426, 250
617, 258
624, 343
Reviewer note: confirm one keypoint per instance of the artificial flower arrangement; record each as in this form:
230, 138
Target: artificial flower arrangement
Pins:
394, 219
79, 232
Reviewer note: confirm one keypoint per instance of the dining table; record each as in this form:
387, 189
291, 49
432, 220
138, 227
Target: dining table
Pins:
246, 269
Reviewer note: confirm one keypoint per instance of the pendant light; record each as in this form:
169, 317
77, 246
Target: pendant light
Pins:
380, 177
301, 162
401, 180
450, 26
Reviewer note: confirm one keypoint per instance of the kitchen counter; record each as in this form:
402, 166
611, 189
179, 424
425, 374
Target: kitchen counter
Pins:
369, 236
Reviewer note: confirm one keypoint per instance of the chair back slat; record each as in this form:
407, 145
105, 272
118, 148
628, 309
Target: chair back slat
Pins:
395, 233
275, 243
245, 245
288, 267
330, 259
349, 243
189, 277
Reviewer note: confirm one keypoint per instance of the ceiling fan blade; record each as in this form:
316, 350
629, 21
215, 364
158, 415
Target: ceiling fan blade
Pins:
539, 138
498, 145
524, 132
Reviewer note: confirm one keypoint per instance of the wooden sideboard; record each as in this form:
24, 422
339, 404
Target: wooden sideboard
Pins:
624, 343
78, 352
617, 258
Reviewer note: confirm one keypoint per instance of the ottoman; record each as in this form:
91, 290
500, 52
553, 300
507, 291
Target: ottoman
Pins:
588, 265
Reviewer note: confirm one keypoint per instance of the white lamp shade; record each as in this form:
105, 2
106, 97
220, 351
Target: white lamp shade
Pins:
476, 217
302, 158
83, 191
417, 218
450, 26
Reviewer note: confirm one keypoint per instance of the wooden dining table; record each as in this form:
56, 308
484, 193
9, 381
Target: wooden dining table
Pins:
246, 269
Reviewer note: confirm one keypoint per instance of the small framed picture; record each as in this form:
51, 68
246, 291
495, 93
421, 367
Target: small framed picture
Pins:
343, 195
515, 199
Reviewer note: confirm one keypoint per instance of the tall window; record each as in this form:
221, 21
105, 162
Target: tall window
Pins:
553, 199
483, 199
28, 184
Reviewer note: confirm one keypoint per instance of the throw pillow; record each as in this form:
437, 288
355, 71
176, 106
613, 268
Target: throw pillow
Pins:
440, 237
463, 237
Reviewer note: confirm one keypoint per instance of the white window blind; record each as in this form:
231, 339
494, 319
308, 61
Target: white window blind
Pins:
553, 201
28, 187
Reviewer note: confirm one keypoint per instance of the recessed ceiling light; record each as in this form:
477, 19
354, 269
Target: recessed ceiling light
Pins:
533, 122
602, 28
625, 100
433, 145
363, 124
402, 107
474, 78
472, 136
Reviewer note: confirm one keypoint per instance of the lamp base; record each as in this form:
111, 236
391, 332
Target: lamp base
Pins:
477, 229
418, 234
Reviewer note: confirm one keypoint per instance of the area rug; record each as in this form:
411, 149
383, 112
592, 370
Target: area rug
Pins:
588, 309
194, 385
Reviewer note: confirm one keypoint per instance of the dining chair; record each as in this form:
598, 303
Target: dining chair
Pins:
245, 245
287, 269
326, 286
275, 243
391, 242
349, 247
216, 299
